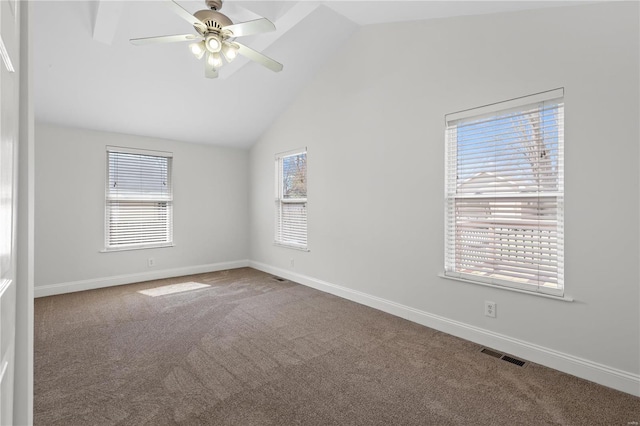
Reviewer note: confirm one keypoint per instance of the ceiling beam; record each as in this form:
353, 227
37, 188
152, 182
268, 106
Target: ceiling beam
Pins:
283, 24
106, 22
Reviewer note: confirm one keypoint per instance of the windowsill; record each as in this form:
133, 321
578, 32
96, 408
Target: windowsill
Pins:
291, 246
109, 250
517, 290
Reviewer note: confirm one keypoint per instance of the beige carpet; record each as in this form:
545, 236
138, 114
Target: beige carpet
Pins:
250, 350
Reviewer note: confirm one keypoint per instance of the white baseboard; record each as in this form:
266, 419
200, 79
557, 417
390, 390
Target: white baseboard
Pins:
579, 367
70, 287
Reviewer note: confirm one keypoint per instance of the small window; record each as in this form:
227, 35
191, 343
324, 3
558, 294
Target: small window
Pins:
291, 199
139, 199
504, 194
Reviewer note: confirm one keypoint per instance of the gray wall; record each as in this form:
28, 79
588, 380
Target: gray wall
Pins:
373, 122
210, 207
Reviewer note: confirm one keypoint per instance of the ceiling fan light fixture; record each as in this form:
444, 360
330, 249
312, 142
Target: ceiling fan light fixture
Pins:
229, 51
197, 49
214, 60
214, 32
213, 43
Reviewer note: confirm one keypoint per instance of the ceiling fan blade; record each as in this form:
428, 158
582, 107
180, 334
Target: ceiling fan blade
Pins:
242, 29
258, 57
184, 14
165, 39
210, 72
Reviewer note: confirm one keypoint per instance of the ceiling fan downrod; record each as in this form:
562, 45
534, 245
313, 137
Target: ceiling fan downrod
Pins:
214, 4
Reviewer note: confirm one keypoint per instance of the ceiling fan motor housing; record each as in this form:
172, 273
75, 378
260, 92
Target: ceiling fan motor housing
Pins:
213, 20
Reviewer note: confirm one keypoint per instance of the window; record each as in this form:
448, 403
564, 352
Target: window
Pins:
291, 199
139, 199
504, 193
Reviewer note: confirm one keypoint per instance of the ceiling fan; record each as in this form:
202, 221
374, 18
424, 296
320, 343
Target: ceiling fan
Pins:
216, 37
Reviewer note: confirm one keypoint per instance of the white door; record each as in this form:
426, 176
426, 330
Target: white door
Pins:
9, 107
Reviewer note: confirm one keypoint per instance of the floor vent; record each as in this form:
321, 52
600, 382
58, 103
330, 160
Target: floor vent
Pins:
512, 360
491, 353
515, 361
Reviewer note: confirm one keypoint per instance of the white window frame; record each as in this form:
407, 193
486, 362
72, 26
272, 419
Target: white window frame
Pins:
300, 241
453, 193
111, 198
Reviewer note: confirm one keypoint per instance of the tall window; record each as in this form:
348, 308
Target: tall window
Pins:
139, 199
504, 193
291, 199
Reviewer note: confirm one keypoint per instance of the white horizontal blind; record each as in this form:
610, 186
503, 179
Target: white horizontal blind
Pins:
139, 199
291, 199
504, 197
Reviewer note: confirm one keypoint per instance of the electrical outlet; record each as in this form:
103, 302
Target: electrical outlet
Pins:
490, 309
151, 262
291, 262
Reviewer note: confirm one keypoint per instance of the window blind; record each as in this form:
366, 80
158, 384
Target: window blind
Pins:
139, 199
504, 195
291, 199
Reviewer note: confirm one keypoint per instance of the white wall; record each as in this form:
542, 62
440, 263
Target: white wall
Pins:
210, 210
373, 122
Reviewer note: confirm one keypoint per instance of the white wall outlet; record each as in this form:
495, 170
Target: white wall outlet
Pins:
490, 309
151, 262
291, 262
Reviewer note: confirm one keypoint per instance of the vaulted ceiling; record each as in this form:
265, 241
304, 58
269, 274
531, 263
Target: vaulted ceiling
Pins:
87, 74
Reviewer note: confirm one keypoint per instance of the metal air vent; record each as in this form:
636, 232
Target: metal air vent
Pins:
507, 358
491, 353
512, 360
